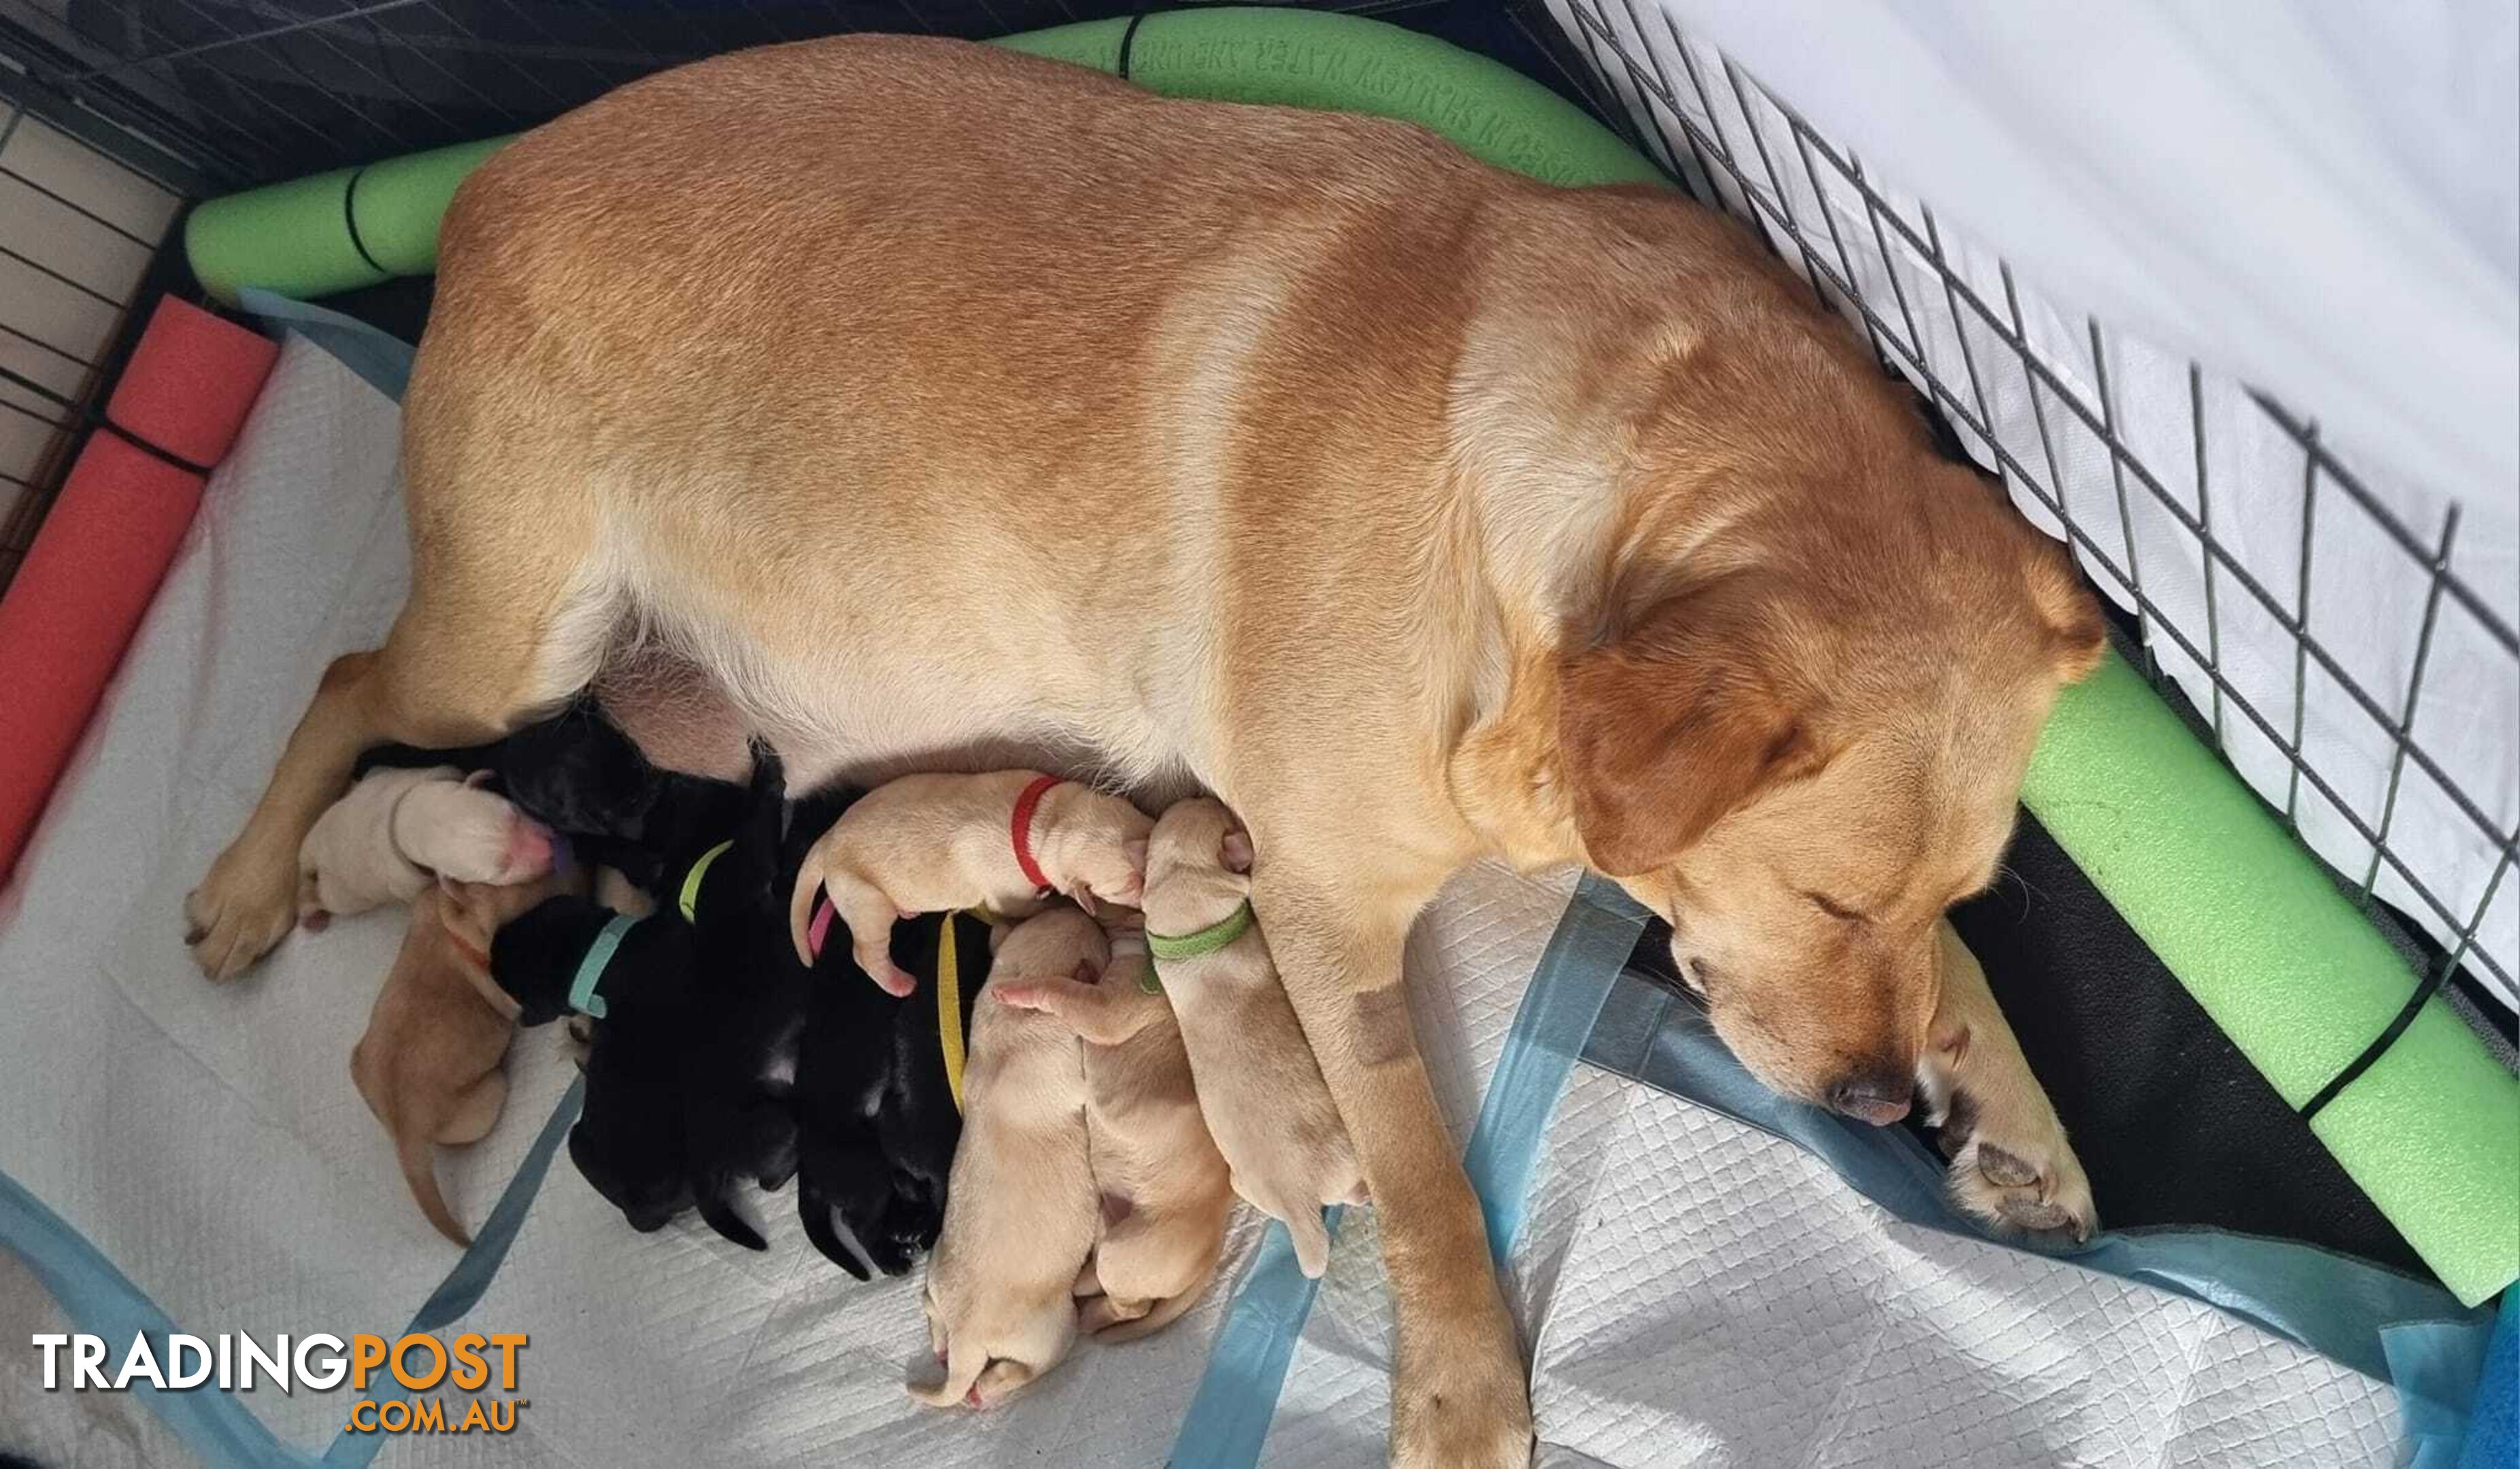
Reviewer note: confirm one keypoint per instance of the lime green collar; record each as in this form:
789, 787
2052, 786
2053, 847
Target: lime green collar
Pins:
1205, 941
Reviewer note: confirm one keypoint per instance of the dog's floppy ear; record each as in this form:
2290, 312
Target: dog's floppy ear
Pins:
1666, 728
2077, 635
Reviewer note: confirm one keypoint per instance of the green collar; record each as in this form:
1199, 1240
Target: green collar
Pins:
1205, 941
689, 900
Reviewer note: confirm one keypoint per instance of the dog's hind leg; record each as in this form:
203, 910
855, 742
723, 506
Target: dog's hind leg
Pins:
507, 614
475, 1111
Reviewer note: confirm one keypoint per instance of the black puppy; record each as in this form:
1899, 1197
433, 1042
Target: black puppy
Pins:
628, 1138
692, 1026
844, 1184
535, 957
875, 1113
748, 1005
920, 1119
577, 774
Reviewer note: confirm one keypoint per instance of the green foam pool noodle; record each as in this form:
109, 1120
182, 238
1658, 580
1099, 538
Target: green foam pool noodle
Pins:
399, 203
2289, 968
1315, 59
350, 228
292, 237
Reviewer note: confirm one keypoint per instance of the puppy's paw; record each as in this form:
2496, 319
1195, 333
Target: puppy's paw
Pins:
245, 905
2017, 1175
1024, 994
888, 976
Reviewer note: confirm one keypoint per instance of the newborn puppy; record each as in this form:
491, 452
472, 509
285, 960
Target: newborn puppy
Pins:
927, 844
578, 773
744, 1020
697, 1008
428, 1064
395, 830
1258, 1083
1164, 1189
877, 1116
920, 1119
628, 1139
1020, 1214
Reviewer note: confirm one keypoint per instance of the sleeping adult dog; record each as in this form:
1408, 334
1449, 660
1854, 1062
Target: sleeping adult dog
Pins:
956, 408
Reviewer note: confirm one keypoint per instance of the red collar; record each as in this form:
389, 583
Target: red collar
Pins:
1021, 827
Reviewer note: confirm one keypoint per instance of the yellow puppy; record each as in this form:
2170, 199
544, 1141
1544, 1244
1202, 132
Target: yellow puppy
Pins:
1165, 1191
1262, 1090
926, 844
1019, 1206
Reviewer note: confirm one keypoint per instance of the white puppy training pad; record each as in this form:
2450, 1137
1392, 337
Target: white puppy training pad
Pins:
1698, 1292
1727, 1300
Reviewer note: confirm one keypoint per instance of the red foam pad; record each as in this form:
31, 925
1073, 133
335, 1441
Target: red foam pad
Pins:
190, 382
66, 619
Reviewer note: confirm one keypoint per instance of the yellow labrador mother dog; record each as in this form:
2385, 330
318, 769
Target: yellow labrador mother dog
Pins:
943, 402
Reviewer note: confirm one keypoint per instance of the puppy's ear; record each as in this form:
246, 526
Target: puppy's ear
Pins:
477, 778
1664, 731
1235, 851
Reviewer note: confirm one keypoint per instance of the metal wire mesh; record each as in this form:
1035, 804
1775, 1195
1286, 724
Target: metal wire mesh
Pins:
1956, 325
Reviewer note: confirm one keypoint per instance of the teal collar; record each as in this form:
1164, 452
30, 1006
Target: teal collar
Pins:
582, 995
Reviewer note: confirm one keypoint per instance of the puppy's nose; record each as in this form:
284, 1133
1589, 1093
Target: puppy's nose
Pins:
1877, 1099
529, 850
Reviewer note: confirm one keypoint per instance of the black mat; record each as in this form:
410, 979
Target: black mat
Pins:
2171, 1121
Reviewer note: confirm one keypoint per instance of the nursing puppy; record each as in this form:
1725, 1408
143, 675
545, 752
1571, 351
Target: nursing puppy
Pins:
920, 1118
1019, 1220
747, 1013
628, 1140
926, 844
394, 831
1164, 1188
428, 1064
534, 960
580, 774
1258, 1083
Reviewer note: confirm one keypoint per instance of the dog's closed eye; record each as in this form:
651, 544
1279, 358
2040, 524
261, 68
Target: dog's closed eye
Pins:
1843, 912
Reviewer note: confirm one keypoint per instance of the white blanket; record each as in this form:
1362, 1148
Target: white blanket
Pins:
208, 1140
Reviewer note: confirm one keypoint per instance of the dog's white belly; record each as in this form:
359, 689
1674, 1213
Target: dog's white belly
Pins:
867, 708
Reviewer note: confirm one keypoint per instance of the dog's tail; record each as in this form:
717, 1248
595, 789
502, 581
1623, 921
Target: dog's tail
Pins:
719, 1212
419, 1158
962, 1367
1171, 1308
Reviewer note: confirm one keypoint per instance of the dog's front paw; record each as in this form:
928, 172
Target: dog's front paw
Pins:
2012, 1170
244, 907
1460, 1407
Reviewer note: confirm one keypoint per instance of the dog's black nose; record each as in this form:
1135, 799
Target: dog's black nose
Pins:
1877, 1099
